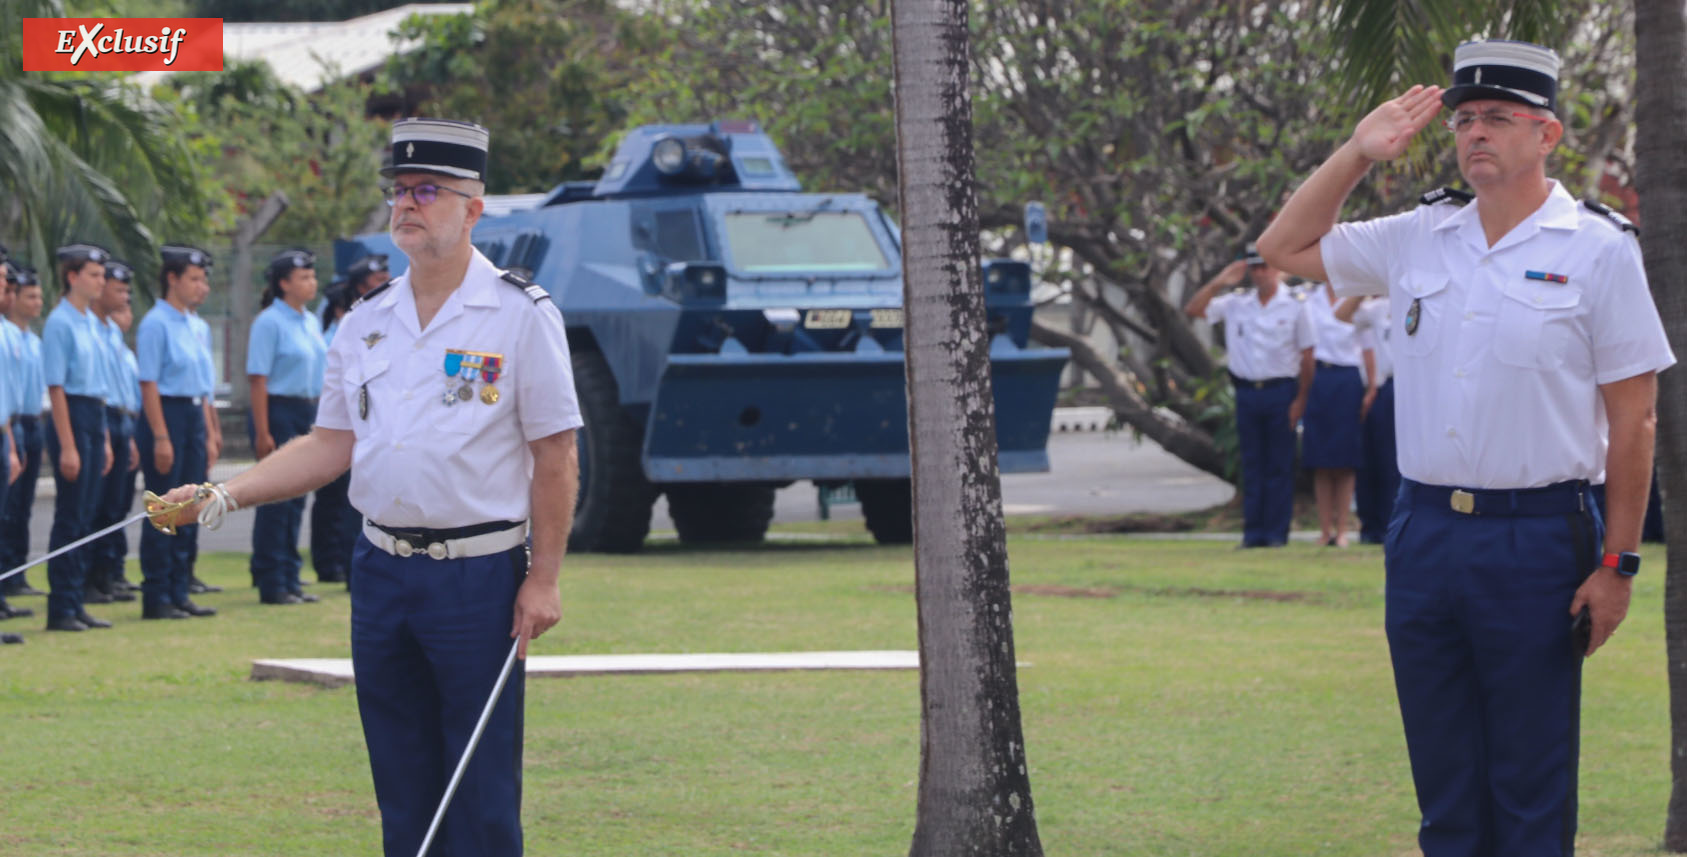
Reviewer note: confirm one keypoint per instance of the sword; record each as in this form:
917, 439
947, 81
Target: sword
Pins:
155, 506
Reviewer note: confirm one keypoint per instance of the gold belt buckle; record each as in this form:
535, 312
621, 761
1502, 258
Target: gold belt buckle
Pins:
1259, 385
1463, 502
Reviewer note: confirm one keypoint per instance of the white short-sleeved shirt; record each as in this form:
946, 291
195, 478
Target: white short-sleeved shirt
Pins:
1370, 325
1499, 351
418, 461
1337, 341
1262, 341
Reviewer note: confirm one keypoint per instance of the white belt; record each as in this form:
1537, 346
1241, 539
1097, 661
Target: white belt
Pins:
481, 545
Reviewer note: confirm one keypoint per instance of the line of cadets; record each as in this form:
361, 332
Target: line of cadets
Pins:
1300, 357
112, 412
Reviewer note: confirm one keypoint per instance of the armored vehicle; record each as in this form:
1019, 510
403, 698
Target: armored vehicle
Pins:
732, 334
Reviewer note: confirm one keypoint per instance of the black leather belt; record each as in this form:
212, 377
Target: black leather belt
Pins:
1259, 385
303, 400
192, 400
424, 535
1560, 498
84, 400
1325, 364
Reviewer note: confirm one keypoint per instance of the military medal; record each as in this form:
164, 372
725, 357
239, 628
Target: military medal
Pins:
1414, 314
491, 367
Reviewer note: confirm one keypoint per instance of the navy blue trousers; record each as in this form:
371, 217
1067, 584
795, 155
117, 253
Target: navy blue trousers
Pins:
1490, 689
427, 640
334, 525
117, 497
75, 505
167, 561
1379, 480
20, 501
1267, 443
275, 526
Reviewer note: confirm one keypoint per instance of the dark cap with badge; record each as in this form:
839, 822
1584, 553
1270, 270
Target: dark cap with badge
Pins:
1509, 71
365, 266
82, 254
1250, 254
288, 261
181, 254
443, 146
115, 270
20, 275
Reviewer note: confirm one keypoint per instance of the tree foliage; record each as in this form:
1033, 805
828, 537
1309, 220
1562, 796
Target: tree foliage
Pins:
87, 158
544, 75
293, 10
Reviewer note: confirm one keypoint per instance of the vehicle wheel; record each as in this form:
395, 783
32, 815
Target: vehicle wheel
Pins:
888, 506
612, 513
707, 513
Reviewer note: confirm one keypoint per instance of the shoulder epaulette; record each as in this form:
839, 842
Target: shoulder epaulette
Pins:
370, 296
1610, 214
537, 293
1446, 194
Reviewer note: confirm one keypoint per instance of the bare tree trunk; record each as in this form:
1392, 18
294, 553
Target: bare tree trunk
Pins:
975, 792
1660, 28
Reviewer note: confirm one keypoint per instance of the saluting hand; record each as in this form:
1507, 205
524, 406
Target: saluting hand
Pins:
1385, 132
1605, 593
1233, 273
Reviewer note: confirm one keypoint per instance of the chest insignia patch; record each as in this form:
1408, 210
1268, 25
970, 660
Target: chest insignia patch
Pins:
1545, 277
1414, 314
373, 338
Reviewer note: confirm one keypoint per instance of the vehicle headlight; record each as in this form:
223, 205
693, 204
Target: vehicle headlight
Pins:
668, 156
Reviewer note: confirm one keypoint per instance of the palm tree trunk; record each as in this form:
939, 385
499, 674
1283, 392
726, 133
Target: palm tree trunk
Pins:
974, 793
1660, 28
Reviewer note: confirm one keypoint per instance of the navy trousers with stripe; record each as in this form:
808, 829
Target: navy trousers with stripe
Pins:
427, 640
1490, 689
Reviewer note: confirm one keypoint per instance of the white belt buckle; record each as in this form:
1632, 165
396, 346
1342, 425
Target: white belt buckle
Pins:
437, 550
402, 547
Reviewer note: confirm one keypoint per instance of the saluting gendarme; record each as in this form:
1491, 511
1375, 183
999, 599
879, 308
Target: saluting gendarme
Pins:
448, 393
1526, 350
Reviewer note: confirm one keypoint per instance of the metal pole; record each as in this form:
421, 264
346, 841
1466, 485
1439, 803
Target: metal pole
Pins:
468, 751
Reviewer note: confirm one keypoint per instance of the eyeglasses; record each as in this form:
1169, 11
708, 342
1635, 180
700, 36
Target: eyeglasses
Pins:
1496, 119
424, 194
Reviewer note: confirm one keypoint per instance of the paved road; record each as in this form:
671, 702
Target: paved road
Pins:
1093, 473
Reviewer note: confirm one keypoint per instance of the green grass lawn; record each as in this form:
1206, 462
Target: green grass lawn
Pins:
1179, 699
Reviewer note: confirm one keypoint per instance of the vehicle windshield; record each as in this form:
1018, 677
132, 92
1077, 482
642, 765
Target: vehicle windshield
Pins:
783, 241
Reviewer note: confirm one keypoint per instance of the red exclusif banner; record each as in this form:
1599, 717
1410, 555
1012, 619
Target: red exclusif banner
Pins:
122, 44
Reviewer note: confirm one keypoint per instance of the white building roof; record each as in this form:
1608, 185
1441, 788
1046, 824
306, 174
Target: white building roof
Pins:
312, 54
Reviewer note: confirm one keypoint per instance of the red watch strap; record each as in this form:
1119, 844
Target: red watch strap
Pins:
1611, 560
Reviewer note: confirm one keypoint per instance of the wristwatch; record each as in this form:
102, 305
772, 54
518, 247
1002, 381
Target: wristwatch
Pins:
1626, 563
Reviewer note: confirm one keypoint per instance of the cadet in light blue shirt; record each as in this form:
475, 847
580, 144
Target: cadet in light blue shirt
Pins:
105, 581
73, 361
27, 426
177, 434
285, 362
